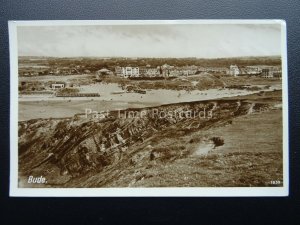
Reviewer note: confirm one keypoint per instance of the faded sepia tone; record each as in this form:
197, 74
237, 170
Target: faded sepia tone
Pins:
184, 105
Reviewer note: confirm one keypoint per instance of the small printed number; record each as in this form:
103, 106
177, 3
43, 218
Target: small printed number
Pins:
275, 181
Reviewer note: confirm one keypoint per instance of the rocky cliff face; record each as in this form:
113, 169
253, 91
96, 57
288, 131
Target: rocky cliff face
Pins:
71, 151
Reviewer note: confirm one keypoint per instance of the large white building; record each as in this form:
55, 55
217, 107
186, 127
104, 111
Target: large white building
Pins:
271, 72
252, 70
128, 71
234, 70
151, 72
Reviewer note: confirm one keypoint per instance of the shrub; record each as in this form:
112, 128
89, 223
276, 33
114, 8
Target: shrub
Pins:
218, 141
68, 91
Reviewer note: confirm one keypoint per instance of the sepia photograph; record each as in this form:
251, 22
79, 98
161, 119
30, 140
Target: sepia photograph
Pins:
148, 108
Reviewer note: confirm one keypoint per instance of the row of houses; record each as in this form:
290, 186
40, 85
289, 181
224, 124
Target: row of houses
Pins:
164, 71
149, 71
260, 70
172, 71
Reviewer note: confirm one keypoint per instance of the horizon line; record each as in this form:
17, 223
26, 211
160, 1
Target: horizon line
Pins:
139, 57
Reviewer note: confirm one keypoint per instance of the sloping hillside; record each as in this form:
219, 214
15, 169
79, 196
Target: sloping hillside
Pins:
147, 150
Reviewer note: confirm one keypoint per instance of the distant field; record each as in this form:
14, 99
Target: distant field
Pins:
245, 80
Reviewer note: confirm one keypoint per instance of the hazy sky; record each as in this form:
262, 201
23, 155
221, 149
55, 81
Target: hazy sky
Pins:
203, 41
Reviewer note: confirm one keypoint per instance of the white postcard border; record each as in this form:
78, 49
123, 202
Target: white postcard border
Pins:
138, 192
